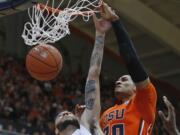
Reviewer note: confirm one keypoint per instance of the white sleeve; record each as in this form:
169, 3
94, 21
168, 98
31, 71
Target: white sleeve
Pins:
82, 131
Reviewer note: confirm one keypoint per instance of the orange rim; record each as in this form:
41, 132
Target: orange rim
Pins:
41, 6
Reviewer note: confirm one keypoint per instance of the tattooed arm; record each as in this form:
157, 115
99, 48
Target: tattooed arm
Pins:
90, 117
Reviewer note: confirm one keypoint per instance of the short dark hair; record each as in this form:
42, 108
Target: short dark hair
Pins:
64, 124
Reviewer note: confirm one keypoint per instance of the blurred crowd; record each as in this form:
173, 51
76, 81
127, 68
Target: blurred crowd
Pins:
35, 104
28, 106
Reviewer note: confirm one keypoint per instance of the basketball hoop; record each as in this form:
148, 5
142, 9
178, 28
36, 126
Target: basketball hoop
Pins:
49, 24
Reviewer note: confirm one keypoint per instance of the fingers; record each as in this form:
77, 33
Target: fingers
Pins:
105, 5
169, 106
107, 8
104, 9
168, 103
79, 108
95, 19
76, 108
108, 13
161, 115
83, 106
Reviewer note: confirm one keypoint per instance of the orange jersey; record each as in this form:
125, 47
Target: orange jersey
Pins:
135, 117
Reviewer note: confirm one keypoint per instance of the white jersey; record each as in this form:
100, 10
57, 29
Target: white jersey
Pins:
82, 131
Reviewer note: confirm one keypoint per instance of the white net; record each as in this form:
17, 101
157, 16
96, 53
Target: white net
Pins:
49, 24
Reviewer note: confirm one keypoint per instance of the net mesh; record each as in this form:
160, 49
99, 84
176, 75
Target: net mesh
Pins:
49, 24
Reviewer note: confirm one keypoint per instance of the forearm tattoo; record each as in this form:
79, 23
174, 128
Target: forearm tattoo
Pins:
90, 94
96, 60
97, 54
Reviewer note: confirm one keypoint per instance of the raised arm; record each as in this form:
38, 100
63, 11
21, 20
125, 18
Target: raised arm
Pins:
91, 115
126, 49
145, 92
169, 121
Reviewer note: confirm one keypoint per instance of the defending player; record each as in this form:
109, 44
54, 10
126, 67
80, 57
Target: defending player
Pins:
67, 123
169, 121
134, 113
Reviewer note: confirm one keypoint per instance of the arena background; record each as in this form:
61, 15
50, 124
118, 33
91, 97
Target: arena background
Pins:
153, 26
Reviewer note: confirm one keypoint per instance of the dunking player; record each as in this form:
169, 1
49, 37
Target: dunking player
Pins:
134, 113
67, 123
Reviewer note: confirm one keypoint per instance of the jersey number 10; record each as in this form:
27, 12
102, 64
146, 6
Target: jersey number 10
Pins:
117, 129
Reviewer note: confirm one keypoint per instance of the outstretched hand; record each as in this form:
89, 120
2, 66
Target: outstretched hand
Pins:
101, 25
107, 13
79, 109
169, 121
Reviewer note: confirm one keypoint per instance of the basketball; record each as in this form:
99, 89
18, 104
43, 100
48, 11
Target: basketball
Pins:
44, 62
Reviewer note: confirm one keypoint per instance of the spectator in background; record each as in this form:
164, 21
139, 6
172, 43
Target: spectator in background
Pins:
169, 121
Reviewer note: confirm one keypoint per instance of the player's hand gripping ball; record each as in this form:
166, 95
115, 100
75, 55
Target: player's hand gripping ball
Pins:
44, 62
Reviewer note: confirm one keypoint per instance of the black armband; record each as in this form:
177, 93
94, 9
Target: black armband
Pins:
128, 53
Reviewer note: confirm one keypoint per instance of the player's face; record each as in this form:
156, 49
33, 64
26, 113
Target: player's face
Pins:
63, 120
124, 88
